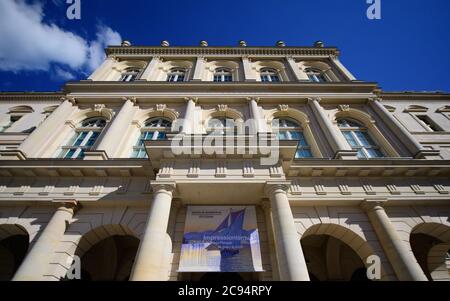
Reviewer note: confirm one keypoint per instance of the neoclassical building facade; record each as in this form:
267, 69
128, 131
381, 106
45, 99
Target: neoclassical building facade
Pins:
112, 168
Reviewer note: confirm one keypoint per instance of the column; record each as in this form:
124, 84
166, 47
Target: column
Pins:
269, 228
199, 67
35, 263
249, 75
255, 114
189, 116
115, 132
150, 69
401, 258
400, 131
101, 72
299, 75
38, 140
149, 263
291, 261
341, 148
342, 68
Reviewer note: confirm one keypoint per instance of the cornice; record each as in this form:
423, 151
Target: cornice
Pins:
414, 96
284, 87
31, 96
221, 51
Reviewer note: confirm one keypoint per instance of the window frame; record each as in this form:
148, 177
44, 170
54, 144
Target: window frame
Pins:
163, 126
270, 73
85, 133
223, 72
316, 74
430, 126
176, 73
130, 75
359, 146
294, 127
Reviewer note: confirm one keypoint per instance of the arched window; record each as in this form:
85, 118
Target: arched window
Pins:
223, 75
154, 129
176, 75
130, 75
316, 75
290, 130
359, 139
269, 75
85, 136
221, 126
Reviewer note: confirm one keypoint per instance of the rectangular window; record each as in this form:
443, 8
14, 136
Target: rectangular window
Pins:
428, 123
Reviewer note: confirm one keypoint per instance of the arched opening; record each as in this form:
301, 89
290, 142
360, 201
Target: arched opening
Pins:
430, 244
336, 253
108, 259
330, 259
14, 243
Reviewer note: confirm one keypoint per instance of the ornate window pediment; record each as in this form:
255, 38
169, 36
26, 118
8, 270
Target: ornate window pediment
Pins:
443, 109
415, 108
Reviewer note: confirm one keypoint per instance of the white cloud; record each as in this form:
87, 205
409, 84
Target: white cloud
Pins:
27, 43
105, 36
61, 74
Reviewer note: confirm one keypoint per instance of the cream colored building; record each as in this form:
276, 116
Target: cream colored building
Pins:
360, 171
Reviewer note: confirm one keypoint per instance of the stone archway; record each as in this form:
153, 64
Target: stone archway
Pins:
107, 253
430, 244
335, 253
14, 244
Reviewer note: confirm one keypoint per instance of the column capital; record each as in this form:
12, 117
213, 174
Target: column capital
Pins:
133, 99
70, 99
189, 98
256, 99
372, 204
68, 205
163, 187
279, 186
312, 99
374, 99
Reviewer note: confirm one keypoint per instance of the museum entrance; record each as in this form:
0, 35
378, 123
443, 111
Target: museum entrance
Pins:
14, 243
218, 276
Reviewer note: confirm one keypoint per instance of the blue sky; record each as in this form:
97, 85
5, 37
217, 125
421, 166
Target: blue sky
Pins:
408, 49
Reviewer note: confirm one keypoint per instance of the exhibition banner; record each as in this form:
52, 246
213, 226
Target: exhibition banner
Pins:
220, 239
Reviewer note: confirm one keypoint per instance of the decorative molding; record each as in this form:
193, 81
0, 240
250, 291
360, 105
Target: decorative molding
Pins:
393, 189
344, 108
248, 171
166, 169
295, 188
194, 169
221, 169
160, 107
224, 51
417, 189
415, 108
441, 189
283, 108
221, 108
